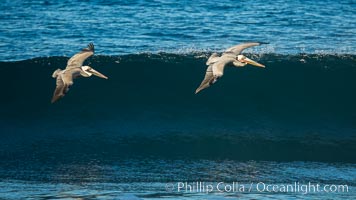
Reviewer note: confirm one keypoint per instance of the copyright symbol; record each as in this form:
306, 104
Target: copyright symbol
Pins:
169, 187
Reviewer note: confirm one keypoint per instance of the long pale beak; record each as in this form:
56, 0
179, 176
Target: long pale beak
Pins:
251, 62
98, 74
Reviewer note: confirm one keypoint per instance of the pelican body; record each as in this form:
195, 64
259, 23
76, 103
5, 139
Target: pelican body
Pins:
64, 78
231, 56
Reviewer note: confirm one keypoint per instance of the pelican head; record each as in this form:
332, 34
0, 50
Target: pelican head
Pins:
88, 71
242, 60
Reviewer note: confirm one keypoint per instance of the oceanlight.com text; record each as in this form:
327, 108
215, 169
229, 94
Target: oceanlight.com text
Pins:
259, 187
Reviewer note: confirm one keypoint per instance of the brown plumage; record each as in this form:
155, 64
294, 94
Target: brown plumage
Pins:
216, 64
74, 69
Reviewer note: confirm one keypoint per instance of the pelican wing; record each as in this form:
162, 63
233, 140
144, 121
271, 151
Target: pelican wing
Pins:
209, 77
218, 68
236, 50
213, 59
78, 59
61, 89
212, 74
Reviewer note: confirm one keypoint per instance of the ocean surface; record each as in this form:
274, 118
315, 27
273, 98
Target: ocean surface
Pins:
144, 134
33, 28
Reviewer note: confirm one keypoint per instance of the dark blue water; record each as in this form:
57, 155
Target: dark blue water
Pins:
143, 130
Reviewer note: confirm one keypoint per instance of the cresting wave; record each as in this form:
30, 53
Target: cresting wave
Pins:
300, 107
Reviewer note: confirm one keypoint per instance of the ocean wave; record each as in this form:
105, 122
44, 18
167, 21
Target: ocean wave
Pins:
297, 104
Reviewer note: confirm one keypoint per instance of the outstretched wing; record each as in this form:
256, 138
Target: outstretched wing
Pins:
78, 59
212, 74
236, 50
60, 91
208, 79
213, 59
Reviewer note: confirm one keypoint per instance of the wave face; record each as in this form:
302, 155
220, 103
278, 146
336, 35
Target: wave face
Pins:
300, 107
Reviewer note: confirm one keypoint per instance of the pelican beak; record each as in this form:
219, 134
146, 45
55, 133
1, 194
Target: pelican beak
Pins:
98, 74
251, 62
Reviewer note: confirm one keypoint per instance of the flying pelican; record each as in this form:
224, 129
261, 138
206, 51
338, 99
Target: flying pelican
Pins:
74, 69
232, 55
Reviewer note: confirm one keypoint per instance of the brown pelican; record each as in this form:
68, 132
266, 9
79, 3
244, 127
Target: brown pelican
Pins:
73, 70
216, 63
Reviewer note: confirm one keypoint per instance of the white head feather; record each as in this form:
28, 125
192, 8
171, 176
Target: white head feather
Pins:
86, 70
